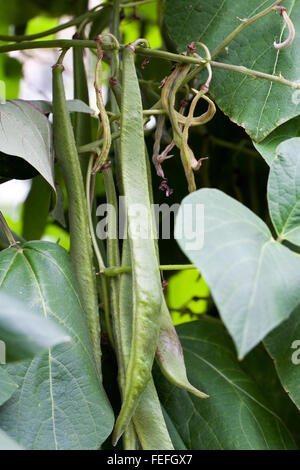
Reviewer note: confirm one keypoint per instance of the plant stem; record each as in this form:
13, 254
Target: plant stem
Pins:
136, 4
67, 43
244, 24
255, 74
89, 16
9, 235
100, 261
115, 271
94, 146
101, 265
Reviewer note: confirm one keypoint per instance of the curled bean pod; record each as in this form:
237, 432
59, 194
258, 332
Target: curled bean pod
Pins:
146, 277
81, 250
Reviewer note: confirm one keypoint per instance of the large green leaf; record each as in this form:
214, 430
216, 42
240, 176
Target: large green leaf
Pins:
25, 334
237, 415
25, 133
7, 386
7, 443
254, 280
267, 148
284, 346
60, 403
258, 105
284, 191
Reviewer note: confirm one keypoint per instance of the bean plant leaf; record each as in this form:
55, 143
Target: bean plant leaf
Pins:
25, 133
258, 105
7, 443
283, 345
237, 416
7, 386
236, 260
60, 403
25, 334
74, 106
284, 191
267, 148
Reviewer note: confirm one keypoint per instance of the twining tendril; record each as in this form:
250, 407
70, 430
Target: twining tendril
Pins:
291, 28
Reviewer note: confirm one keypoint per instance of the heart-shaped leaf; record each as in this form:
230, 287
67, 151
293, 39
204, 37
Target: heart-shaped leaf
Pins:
237, 416
25, 334
25, 133
60, 403
254, 280
258, 105
284, 191
283, 345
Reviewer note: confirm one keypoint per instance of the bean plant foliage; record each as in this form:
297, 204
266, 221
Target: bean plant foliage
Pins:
119, 331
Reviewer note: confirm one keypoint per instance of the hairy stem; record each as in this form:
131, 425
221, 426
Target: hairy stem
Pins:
66, 43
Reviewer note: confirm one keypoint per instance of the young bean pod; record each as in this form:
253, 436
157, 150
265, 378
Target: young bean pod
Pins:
146, 277
81, 249
148, 419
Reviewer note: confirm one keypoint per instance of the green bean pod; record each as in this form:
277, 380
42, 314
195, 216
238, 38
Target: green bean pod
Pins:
169, 354
148, 419
147, 296
81, 249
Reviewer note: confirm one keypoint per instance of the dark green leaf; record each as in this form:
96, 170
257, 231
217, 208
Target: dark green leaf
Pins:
61, 403
284, 346
258, 105
237, 416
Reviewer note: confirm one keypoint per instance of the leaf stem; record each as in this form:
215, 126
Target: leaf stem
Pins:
9, 235
244, 24
255, 74
67, 43
101, 265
